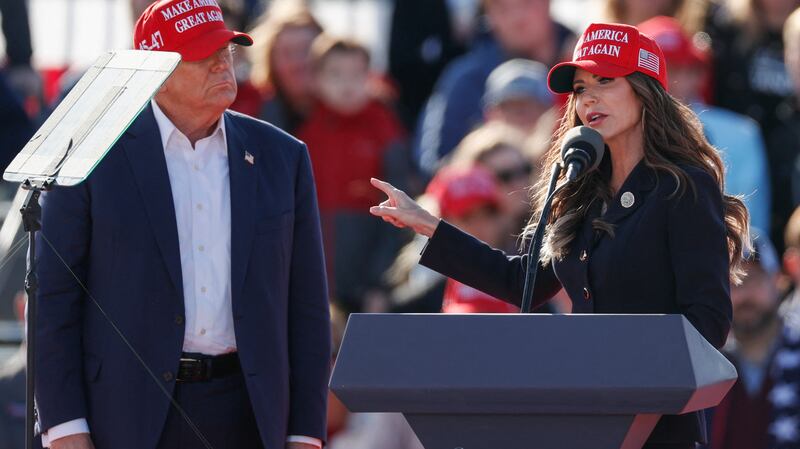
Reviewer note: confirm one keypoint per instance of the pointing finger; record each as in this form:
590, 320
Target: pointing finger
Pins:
383, 186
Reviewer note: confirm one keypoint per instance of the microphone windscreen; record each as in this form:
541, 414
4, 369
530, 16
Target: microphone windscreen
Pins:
586, 139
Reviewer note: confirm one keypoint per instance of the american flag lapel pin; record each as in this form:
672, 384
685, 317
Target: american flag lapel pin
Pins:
249, 158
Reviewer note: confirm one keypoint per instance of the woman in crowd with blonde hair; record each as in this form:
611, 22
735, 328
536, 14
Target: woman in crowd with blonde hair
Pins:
281, 62
500, 149
649, 232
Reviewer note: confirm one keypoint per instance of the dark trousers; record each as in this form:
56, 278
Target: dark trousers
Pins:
221, 410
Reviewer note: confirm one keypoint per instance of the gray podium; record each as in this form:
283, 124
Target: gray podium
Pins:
529, 381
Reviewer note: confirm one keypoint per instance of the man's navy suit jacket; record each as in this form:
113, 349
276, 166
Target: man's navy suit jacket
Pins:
117, 232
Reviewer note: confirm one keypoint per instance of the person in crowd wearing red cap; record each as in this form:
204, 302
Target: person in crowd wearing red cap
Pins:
469, 198
737, 137
199, 237
650, 231
499, 148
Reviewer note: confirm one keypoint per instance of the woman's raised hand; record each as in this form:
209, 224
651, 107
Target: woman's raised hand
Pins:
402, 211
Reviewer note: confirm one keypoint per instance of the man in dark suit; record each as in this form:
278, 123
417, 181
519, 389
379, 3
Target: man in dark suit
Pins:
198, 238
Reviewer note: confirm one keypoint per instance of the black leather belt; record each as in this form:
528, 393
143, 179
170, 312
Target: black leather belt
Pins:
199, 368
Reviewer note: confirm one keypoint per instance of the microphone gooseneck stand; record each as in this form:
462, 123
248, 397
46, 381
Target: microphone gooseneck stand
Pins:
31, 222
535, 247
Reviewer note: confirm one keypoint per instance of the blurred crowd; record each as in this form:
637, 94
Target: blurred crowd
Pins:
460, 119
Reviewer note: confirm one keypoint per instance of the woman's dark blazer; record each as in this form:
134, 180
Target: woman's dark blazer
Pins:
668, 255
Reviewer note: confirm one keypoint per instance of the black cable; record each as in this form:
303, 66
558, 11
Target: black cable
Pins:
132, 349
13, 250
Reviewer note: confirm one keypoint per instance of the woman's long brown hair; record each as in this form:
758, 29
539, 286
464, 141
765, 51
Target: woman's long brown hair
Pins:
280, 16
673, 136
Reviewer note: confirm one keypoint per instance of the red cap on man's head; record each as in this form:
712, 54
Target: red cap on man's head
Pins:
193, 28
610, 50
676, 44
459, 191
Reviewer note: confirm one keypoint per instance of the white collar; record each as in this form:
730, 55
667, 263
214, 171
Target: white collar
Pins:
166, 127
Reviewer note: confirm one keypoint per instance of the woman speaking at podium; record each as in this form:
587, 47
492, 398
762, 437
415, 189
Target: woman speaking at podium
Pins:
649, 231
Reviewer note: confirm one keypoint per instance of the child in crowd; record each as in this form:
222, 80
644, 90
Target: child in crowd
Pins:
351, 138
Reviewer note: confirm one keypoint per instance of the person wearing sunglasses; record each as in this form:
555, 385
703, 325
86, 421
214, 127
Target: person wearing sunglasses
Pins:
499, 148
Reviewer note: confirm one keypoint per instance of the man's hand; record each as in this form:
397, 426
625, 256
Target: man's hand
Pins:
77, 441
294, 446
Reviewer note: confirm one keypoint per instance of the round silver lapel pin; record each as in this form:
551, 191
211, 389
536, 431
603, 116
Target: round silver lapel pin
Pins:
627, 200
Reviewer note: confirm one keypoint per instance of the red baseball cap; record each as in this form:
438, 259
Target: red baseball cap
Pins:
193, 28
610, 50
677, 46
459, 191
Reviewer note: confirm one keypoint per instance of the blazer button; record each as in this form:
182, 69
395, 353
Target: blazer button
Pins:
167, 376
179, 320
586, 294
583, 256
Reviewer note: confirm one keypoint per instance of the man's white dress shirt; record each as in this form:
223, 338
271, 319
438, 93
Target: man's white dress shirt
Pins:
200, 186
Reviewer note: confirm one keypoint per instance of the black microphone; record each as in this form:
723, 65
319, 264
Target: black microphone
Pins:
581, 151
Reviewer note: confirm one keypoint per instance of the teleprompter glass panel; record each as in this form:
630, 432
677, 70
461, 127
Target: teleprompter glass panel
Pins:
92, 117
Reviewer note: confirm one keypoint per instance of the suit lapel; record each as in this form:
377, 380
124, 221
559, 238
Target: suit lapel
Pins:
243, 198
145, 154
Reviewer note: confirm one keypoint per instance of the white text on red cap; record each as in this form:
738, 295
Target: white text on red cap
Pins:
198, 19
194, 20
601, 49
156, 42
186, 6
608, 35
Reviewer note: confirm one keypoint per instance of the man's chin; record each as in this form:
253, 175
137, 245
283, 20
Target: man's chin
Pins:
222, 99
224, 89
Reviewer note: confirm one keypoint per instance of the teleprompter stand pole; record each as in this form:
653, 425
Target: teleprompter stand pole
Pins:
535, 248
31, 222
